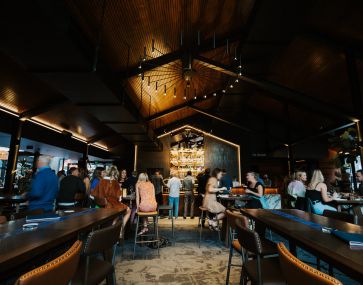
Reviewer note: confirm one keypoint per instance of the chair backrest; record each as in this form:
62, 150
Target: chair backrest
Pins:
103, 239
249, 240
59, 271
21, 215
3, 220
345, 217
308, 205
297, 272
234, 218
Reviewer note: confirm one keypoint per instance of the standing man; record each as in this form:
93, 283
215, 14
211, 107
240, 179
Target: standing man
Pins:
188, 185
174, 185
44, 187
359, 175
69, 187
157, 181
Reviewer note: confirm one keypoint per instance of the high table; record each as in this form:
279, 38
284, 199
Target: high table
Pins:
323, 245
19, 247
14, 200
353, 203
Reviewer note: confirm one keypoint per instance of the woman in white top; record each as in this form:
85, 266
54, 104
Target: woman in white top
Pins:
297, 189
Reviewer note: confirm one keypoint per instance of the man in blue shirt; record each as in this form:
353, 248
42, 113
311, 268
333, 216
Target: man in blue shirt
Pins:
44, 186
226, 180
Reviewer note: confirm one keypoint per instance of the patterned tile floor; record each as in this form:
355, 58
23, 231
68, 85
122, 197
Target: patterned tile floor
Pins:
184, 262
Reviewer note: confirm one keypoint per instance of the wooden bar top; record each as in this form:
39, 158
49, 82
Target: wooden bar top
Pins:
18, 247
324, 245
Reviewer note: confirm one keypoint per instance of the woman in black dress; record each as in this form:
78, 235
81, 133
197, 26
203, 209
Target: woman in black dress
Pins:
255, 189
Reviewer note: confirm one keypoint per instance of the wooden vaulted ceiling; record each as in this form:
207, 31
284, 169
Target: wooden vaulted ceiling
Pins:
125, 28
297, 60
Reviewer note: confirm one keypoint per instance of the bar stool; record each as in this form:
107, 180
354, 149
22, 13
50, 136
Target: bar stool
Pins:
204, 214
155, 234
170, 211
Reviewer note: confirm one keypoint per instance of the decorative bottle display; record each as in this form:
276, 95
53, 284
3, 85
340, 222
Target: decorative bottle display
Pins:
185, 159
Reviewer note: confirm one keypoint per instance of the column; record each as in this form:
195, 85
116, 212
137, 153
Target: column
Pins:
13, 156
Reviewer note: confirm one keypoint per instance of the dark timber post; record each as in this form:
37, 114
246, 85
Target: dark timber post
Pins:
356, 101
290, 158
13, 156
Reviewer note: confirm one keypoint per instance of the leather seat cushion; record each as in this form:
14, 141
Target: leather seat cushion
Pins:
98, 271
270, 269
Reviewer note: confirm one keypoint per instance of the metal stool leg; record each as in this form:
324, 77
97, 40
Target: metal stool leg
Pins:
201, 227
229, 263
137, 228
156, 221
219, 232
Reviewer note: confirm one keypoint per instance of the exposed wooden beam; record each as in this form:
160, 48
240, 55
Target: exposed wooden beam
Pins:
292, 96
176, 108
323, 133
152, 63
46, 107
354, 84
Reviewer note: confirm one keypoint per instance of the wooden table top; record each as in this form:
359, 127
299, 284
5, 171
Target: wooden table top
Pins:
12, 199
323, 245
21, 246
348, 202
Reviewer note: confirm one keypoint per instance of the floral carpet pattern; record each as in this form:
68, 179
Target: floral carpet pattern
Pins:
184, 262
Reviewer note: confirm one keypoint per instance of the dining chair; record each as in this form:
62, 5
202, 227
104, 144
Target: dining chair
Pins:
59, 271
234, 218
258, 270
93, 269
296, 272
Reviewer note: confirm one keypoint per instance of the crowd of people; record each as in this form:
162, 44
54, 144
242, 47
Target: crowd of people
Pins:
317, 191
108, 189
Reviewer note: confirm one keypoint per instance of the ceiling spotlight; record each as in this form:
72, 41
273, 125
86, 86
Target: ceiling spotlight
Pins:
231, 86
224, 91
214, 94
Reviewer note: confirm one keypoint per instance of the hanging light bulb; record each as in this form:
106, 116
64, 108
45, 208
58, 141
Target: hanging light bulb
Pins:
174, 92
231, 86
164, 90
156, 87
185, 94
195, 94
195, 97
240, 73
214, 94
205, 96
152, 46
235, 54
144, 54
240, 62
223, 90
236, 80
